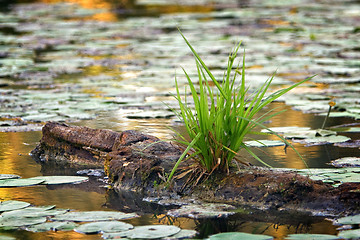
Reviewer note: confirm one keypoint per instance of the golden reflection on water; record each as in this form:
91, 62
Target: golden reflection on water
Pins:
93, 4
122, 5
14, 146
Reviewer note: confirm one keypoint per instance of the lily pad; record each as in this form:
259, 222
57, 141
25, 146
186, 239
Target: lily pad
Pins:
3, 237
55, 226
238, 236
311, 237
20, 182
19, 222
34, 212
287, 129
103, 226
207, 210
12, 205
183, 234
347, 129
49, 180
349, 220
346, 162
265, 143
323, 140
92, 216
150, 232
349, 234
8, 176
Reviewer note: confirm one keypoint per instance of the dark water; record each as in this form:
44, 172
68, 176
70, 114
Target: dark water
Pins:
152, 89
92, 196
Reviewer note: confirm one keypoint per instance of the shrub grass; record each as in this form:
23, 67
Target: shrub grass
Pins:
222, 116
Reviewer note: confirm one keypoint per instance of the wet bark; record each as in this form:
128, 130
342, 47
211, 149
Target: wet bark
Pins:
131, 159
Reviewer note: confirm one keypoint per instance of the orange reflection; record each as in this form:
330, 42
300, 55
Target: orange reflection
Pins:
275, 22
92, 4
14, 148
108, 15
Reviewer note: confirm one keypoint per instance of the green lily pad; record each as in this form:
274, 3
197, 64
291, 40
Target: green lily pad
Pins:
265, 143
34, 212
323, 140
332, 175
103, 226
150, 232
151, 114
349, 234
311, 237
12, 205
19, 222
55, 226
347, 129
16, 62
20, 182
8, 176
3, 237
49, 180
206, 210
92, 216
349, 220
239, 236
346, 162
183, 234
286, 129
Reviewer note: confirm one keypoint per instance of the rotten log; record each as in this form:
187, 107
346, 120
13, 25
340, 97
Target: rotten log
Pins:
137, 162
132, 160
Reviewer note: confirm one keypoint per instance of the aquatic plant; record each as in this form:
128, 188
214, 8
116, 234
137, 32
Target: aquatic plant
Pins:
223, 116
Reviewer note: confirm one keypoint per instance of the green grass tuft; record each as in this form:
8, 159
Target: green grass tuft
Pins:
223, 116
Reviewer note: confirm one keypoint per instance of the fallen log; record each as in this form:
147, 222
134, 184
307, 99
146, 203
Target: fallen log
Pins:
131, 159
138, 162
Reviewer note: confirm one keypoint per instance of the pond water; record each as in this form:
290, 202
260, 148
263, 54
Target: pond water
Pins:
112, 64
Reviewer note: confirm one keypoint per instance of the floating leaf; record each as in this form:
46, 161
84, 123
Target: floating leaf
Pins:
311, 237
103, 226
287, 129
12, 205
323, 140
349, 234
346, 162
332, 175
148, 232
20, 182
3, 237
19, 222
207, 210
265, 143
34, 212
239, 235
349, 220
49, 180
55, 226
92, 216
8, 176
183, 234
347, 129
150, 114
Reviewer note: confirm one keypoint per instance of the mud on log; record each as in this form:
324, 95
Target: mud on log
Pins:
137, 162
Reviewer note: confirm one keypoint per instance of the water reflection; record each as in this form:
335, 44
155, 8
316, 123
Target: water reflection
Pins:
91, 196
131, 8
14, 151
